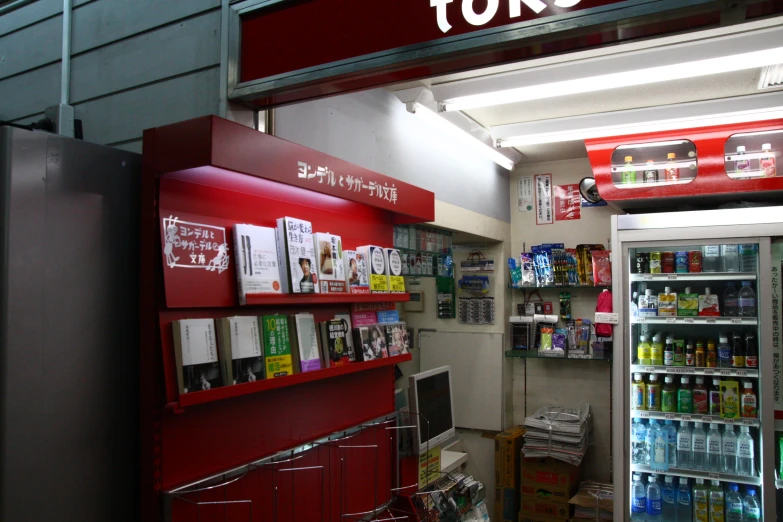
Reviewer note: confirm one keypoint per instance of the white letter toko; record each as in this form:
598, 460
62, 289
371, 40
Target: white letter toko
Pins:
443, 22
515, 10
566, 3
479, 19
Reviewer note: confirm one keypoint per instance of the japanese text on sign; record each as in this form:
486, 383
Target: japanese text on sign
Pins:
567, 202
324, 175
194, 245
776, 348
544, 215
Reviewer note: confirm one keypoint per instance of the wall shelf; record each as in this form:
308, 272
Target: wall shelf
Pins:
552, 287
706, 475
315, 299
532, 354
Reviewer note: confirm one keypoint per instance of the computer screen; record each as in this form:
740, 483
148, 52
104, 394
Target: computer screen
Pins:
431, 399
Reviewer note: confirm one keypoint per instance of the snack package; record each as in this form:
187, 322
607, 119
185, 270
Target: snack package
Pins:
515, 272
573, 273
565, 306
602, 267
528, 270
546, 337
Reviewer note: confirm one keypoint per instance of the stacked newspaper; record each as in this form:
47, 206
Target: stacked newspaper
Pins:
594, 501
558, 432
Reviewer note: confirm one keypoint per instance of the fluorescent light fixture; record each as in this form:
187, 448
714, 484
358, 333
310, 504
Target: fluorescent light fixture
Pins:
693, 69
642, 128
434, 119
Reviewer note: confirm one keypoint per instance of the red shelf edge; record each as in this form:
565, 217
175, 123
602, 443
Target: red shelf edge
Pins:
238, 390
295, 299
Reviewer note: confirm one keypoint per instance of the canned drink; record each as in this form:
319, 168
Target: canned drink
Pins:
694, 260
655, 263
642, 263
667, 262
681, 262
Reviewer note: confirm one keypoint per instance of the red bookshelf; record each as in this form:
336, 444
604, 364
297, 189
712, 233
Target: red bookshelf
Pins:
320, 299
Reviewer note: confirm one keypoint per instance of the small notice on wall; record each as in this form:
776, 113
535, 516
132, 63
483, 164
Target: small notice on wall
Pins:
777, 356
429, 466
526, 194
568, 202
544, 211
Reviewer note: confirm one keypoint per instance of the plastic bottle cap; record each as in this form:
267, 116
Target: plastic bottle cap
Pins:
724, 339
667, 290
713, 426
707, 290
746, 283
699, 380
697, 424
747, 385
637, 476
671, 155
643, 338
628, 159
637, 376
668, 422
648, 292
716, 382
668, 479
733, 487
650, 479
669, 379
765, 148
745, 429
685, 380
650, 162
684, 424
699, 481
688, 290
750, 491
716, 482
741, 148
657, 338
653, 377
669, 340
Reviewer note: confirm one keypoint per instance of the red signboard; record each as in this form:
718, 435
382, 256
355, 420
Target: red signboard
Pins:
568, 202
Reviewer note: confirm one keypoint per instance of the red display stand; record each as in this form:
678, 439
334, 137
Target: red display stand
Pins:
200, 178
716, 177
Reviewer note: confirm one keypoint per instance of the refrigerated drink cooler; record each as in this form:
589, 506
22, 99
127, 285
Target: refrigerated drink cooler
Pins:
697, 355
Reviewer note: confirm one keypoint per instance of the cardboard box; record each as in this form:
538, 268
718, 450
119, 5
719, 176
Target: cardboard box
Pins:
528, 489
506, 505
556, 477
525, 517
546, 508
508, 446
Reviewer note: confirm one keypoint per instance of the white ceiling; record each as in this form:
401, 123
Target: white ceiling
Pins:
716, 86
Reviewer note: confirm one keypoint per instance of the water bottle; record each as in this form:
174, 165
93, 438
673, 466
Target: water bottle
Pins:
671, 437
730, 256
654, 501
750, 506
729, 450
669, 504
684, 507
710, 258
698, 446
730, 304
659, 451
639, 506
684, 460
638, 442
724, 351
747, 258
733, 504
714, 448
746, 300
745, 453
649, 441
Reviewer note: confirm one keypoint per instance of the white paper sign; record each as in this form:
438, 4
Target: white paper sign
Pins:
777, 255
195, 245
607, 318
526, 194
544, 210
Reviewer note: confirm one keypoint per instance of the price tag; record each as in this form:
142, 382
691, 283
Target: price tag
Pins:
685, 417
706, 418
671, 320
742, 373
725, 372
650, 369
715, 476
689, 320
641, 320
647, 277
728, 421
711, 320
671, 277
709, 371
749, 422
669, 416
736, 320
645, 415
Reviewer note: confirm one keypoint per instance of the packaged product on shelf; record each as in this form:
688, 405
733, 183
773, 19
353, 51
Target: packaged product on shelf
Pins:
767, 162
256, 260
515, 272
395, 339
196, 355
334, 340
370, 342
586, 260
239, 339
749, 401
642, 264
715, 398
667, 303
277, 346
602, 267
508, 445
638, 393
680, 356
667, 262
729, 391
545, 275
700, 397
296, 256
394, 270
708, 304
376, 261
331, 268
308, 348
712, 354
656, 351
565, 306
681, 262
356, 275
694, 261
573, 272
656, 264
648, 304
701, 355
527, 268
688, 304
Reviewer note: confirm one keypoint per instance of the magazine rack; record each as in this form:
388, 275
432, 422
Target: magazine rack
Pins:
200, 178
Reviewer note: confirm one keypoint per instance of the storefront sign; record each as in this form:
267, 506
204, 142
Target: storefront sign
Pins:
567, 202
777, 377
349, 183
485, 16
544, 215
194, 245
526, 194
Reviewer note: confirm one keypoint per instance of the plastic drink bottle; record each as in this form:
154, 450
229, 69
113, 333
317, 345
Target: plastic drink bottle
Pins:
656, 351
690, 354
700, 355
714, 449
712, 354
643, 350
750, 506
738, 352
748, 401
638, 442
741, 164
671, 437
669, 395
684, 504
730, 256
747, 258
659, 450
654, 393
672, 173
684, 443
733, 504
746, 453
654, 501
710, 258
717, 508
638, 393
730, 304
639, 506
629, 171
715, 398
698, 446
651, 173
751, 351
746, 300
669, 497
685, 396
634, 305
724, 352
767, 162
668, 352
701, 505
701, 400
729, 450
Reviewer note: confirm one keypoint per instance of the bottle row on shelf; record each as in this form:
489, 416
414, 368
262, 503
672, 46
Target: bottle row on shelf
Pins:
709, 258
734, 303
740, 353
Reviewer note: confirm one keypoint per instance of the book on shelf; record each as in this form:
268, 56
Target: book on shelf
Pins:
307, 340
376, 268
239, 339
356, 272
394, 270
370, 343
277, 346
256, 257
334, 340
397, 342
348, 335
196, 355
296, 256
331, 270
388, 316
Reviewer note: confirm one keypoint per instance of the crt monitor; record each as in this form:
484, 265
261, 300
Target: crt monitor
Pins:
432, 406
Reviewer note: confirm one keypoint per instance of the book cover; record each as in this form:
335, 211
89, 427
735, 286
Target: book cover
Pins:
256, 260
241, 351
394, 270
298, 255
371, 343
277, 346
396, 335
297, 364
350, 346
331, 268
334, 335
309, 353
364, 318
379, 280
388, 316
356, 272
196, 354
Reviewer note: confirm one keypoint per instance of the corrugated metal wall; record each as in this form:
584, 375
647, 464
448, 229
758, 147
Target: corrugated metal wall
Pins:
135, 64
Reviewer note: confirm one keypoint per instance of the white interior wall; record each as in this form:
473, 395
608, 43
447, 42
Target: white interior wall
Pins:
549, 382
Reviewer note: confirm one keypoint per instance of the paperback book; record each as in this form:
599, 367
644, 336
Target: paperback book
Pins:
277, 346
307, 341
239, 339
394, 270
256, 261
379, 279
396, 339
196, 354
350, 346
331, 270
334, 339
296, 256
371, 343
356, 272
